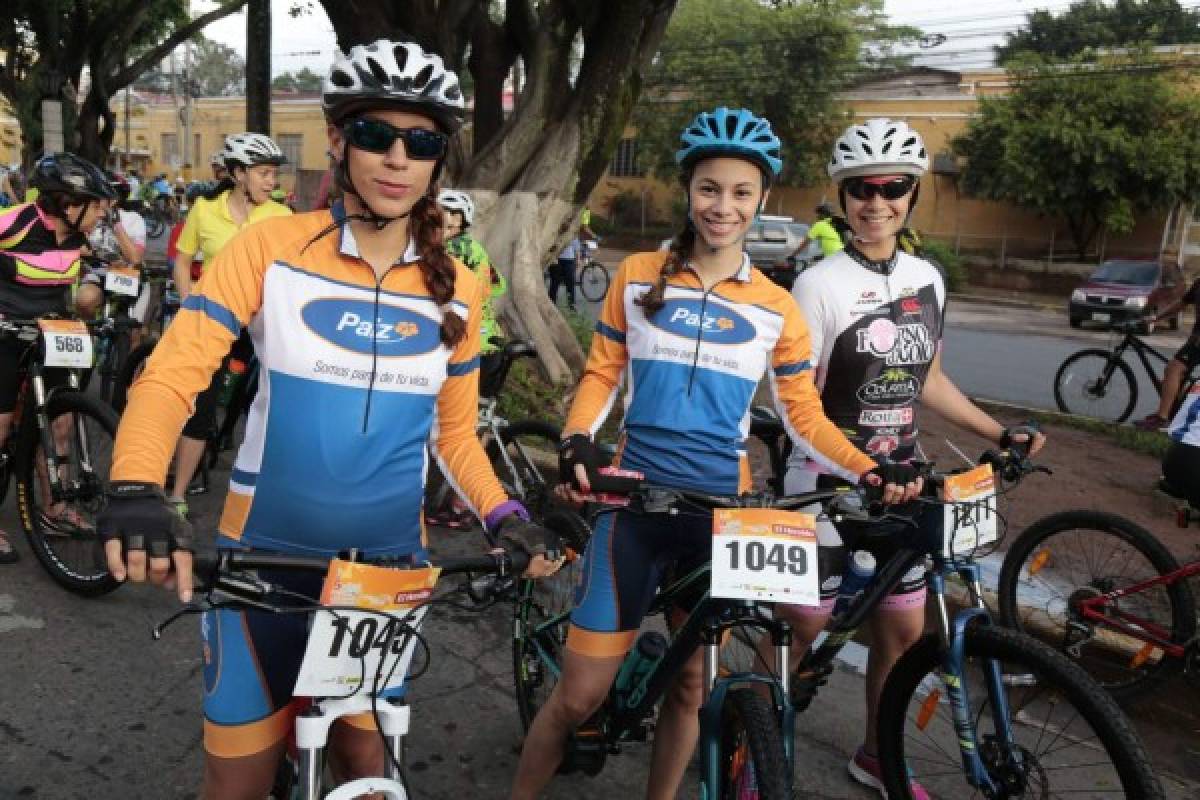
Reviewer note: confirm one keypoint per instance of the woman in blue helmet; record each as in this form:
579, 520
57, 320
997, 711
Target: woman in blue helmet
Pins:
689, 333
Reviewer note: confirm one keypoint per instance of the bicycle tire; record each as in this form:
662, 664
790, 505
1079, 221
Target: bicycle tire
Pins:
129, 373
532, 484
593, 281
750, 737
1029, 603
541, 620
155, 225
110, 371
76, 560
1037, 667
1073, 381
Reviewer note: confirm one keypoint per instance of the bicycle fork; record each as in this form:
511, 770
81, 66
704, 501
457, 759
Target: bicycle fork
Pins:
953, 638
312, 735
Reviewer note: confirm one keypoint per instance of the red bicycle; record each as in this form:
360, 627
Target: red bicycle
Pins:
1108, 594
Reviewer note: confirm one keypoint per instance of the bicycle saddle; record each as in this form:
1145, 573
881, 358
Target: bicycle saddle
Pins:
765, 423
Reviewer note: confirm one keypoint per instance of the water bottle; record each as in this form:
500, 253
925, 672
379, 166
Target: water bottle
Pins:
860, 568
649, 649
233, 375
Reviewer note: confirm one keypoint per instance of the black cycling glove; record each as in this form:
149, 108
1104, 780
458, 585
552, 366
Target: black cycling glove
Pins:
1029, 428
529, 537
579, 448
139, 516
888, 472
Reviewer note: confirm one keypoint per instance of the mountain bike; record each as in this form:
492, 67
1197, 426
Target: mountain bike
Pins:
113, 333
1105, 592
162, 307
592, 278
358, 649
523, 454
59, 452
975, 709
1101, 384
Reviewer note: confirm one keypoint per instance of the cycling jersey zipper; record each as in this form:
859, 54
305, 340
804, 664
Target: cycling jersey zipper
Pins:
374, 345
700, 325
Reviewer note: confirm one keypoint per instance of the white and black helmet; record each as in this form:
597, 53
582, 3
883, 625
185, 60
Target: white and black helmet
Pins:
393, 74
217, 159
454, 200
878, 147
250, 150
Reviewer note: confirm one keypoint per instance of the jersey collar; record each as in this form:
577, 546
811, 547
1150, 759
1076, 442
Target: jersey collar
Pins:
348, 246
743, 273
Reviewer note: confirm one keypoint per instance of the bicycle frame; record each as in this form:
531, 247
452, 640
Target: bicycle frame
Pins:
1103, 610
1144, 353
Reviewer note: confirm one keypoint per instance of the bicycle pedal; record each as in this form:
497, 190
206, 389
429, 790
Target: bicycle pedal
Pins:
585, 752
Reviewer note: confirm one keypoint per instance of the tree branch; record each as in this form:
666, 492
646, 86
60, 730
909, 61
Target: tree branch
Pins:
129, 74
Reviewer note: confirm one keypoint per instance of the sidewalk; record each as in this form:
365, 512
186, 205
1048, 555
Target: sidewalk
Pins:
1009, 298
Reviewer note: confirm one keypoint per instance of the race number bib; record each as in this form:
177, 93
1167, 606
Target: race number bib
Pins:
970, 513
122, 280
347, 650
765, 554
68, 343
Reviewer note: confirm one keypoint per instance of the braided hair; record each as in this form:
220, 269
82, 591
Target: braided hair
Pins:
437, 269
652, 299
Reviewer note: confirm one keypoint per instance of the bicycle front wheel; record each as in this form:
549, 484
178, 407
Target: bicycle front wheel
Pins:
1064, 559
542, 617
526, 461
593, 281
753, 763
1066, 737
1091, 383
62, 533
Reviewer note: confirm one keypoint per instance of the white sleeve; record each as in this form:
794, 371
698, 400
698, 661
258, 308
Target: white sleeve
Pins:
808, 296
134, 227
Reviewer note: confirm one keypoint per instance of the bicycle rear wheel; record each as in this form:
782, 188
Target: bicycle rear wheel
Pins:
63, 535
1091, 383
753, 763
593, 281
1069, 737
110, 368
528, 466
542, 616
1066, 558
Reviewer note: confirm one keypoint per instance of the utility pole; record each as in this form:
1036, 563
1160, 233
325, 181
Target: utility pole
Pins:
258, 66
128, 158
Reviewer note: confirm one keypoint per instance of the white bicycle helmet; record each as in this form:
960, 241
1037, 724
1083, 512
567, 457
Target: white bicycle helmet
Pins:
454, 200
217, 159
250, 150
878, 147
393, 74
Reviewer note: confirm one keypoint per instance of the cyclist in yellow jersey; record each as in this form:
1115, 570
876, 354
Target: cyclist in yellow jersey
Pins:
240, 199
823, 232
341, 303
458, 214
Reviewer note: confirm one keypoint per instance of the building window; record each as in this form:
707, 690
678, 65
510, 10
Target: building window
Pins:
170, 150
625, 160
198, 157
292, 145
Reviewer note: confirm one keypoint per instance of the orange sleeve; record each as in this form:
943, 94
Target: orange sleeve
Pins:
455, 443
184, 361
799, 403
606, 362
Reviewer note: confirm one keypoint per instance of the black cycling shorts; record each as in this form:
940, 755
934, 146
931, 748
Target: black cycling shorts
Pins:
1181, 470
1189, 354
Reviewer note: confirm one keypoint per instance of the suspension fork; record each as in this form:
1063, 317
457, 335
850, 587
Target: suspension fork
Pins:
41, 417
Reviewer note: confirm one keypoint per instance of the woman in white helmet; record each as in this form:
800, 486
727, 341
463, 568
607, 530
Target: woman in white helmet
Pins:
458, 215
367, 336
242, 197
875, 314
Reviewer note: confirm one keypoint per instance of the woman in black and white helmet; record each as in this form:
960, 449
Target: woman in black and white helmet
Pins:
875, 316
367, 336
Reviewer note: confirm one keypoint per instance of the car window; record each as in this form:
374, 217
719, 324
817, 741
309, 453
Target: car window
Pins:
755, 234
775, 234
1129, 273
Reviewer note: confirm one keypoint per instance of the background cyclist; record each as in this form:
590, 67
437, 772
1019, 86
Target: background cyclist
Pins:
335, 453
1184, 361
119, 236
876, 316
689, 388
241, 198
40, 244
458, 215
823, 232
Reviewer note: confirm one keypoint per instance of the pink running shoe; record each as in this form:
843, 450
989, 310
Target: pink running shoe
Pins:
865, 769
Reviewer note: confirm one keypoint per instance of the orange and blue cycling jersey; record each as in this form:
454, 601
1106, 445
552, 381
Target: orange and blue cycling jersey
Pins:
35, 268
355, 391
690, 371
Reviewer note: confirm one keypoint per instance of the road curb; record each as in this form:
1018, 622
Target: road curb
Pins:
1005, 302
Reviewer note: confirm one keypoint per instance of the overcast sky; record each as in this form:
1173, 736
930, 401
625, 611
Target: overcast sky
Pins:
970, 30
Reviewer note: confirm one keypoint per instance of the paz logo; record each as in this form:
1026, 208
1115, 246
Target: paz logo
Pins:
365, 327
713, 323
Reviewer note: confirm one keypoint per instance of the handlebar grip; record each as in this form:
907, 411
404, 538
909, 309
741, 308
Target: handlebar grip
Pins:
614, 484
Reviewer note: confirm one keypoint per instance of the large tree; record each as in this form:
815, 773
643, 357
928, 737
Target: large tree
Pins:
582, 67
45, 45
786, 61
1089, 25
1094, 145
305, 80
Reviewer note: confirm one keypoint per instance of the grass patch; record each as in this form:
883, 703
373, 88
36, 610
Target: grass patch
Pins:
1127, 437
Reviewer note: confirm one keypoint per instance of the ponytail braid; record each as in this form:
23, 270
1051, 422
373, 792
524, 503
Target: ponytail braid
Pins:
436, 267
681, 246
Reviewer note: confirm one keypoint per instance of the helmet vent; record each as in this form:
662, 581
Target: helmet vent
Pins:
341, 79
423, 76
381, 74
400, 53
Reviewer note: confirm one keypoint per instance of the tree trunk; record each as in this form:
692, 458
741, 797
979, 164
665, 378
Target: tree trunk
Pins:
258, 66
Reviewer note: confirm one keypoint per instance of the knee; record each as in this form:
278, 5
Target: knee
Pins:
576, 704
687, 692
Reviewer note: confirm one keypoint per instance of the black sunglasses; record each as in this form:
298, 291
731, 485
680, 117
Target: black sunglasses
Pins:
860, 189
377, 136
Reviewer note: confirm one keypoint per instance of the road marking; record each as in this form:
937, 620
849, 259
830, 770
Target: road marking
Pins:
10, 621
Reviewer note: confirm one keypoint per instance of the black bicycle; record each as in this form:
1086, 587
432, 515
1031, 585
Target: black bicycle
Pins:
59, 452
1101, 384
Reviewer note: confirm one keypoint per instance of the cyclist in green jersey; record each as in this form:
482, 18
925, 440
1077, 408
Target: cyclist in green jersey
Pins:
458, 212
825, 232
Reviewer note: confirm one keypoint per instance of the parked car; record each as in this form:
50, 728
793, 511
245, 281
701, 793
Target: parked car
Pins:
769, 243
1122, 289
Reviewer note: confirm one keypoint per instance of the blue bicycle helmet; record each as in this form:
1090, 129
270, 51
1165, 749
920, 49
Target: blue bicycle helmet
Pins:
731, 132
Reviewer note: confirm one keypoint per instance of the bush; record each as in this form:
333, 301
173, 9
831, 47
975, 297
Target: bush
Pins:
942, 255
625, 209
